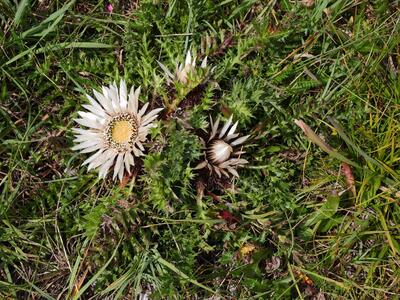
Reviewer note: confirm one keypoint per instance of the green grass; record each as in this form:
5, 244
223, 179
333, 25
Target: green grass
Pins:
289, 227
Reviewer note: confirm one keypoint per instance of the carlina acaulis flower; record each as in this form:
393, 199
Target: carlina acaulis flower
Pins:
116, 129
183, 71
223, 149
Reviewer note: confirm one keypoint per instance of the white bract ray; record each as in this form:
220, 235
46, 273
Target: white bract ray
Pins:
114, 129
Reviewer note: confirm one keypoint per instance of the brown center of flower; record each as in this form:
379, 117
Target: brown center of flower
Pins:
121, 131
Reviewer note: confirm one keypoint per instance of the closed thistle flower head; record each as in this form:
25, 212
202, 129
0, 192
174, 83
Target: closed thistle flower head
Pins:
185, 73
116, 129
222, 153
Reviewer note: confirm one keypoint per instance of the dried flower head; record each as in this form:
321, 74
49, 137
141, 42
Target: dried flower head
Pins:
116, 129
222, 153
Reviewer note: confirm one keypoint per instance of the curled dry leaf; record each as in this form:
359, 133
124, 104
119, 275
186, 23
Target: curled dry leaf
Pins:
313, 137
346, 169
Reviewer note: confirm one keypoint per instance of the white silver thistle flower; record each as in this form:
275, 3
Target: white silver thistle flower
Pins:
222, 155
183, 71
116, 129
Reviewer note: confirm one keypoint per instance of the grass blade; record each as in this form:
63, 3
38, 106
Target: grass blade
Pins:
357, 149
21, 11
95, 276
50, 18
181, 274
71, 45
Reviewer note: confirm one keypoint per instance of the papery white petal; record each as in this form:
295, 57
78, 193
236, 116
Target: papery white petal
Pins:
93, 157
142, 136
150, 116
230, 137
127, 164
92, 148
143, 131
147, 127
232, 130
240, 140
103, 158
139, 144
113, 93
118, 165
86, 144
85, 132
188, 59
204, 63
193, 64
137, 94
98, 112
226, 126
224, 172
179, 68
242, 161
80, 130
214, 128
121, 171
217, 170
143, 110
201, 165
123, 102
87, 137
94, 103
137, 152
132, 102
89, 123
105, 167
182, 75
104, 100
238, 153
233, 172
130, 158
88, 115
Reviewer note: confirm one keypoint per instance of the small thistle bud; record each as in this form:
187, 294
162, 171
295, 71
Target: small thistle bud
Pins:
220, 151
185, 72
221, 156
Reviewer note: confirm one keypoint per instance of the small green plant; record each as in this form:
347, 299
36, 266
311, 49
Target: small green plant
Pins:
314, 213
